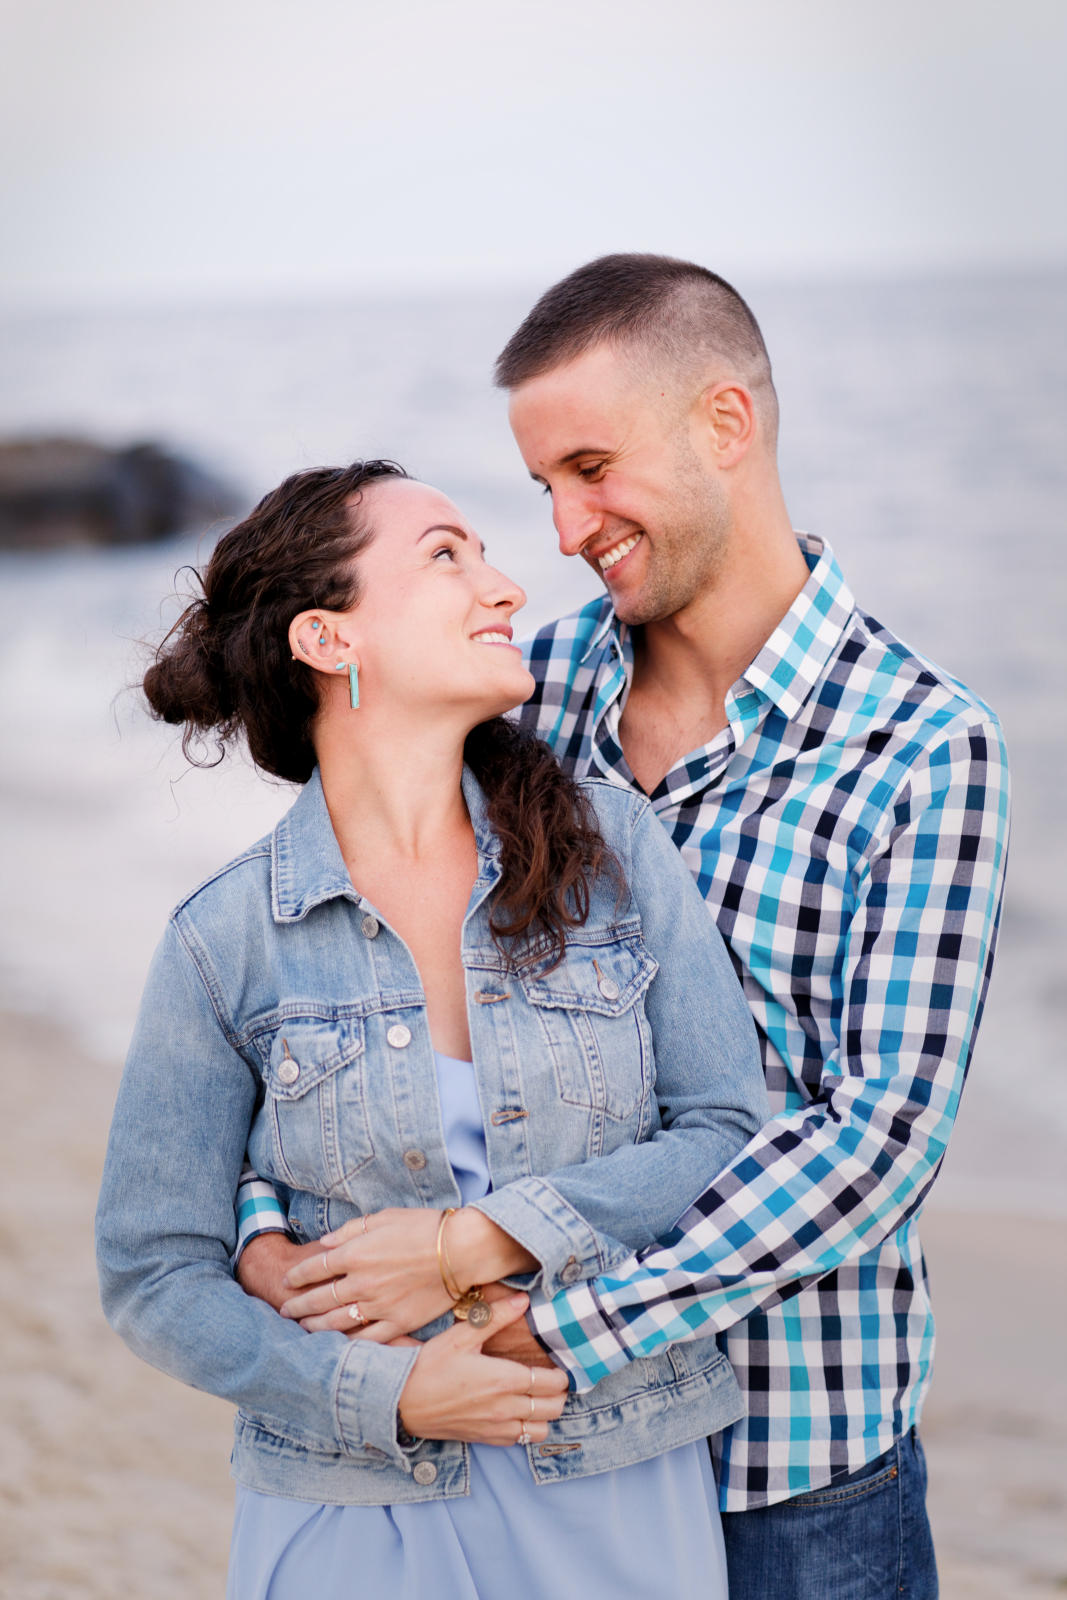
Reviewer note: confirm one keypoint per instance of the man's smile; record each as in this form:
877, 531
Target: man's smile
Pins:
611, 558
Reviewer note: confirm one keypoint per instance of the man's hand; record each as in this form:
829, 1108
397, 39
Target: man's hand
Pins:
265, 1261
515, 1342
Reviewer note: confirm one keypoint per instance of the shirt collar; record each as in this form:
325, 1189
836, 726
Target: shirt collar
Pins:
792, 661
307, 867
789, 665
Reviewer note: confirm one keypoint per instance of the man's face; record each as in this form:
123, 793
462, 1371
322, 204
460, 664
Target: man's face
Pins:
631, 493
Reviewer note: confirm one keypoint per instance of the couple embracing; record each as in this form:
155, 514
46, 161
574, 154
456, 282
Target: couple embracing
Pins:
551, 1175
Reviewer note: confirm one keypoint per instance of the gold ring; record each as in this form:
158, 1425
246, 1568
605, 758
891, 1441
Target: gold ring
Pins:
524, 1437
533, 1380
355, 1313
325, 1263
364, 1222
333, 1286
533, 1404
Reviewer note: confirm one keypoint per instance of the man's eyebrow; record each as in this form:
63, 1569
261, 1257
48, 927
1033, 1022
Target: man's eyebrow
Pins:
444, 527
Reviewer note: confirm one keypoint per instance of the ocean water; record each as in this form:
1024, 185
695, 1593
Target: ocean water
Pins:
923, 435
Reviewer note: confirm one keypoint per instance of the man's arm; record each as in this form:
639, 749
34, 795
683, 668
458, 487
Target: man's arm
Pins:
828, 1182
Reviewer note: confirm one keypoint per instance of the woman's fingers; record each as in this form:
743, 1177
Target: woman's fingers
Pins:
456, 1392
319, 1266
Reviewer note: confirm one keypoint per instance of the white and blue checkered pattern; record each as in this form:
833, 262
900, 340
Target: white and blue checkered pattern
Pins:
848, 830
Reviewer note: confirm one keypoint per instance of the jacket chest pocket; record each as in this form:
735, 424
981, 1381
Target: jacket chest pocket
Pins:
590, 1013
316, 1103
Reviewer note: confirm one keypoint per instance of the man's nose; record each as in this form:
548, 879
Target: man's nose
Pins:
577, 517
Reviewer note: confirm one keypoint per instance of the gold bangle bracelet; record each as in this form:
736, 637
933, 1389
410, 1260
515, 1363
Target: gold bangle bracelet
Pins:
444, 1265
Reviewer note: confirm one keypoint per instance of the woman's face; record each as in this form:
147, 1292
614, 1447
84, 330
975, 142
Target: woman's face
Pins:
433, 624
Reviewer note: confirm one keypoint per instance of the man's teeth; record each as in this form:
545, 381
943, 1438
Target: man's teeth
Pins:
492, 638
617, 552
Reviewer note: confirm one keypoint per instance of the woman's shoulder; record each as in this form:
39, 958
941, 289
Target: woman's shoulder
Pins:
230, 887
618, 809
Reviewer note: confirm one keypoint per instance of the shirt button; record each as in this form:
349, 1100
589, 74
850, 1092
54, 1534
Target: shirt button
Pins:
370, 926
288, 1072
414, 1160
425, 1472
609, 988
399, 1035
571, 1272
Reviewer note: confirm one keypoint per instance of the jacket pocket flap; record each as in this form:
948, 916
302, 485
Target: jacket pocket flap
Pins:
606, 979
305, 1051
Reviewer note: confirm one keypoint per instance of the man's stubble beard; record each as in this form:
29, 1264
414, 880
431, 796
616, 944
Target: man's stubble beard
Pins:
685, 558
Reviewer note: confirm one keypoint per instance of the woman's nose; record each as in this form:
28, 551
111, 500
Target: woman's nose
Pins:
501, 591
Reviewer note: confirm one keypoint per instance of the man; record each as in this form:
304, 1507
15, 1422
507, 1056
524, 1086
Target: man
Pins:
843, 806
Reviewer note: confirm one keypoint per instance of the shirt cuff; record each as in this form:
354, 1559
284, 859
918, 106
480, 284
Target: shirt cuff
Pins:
258, 1211
557, 1324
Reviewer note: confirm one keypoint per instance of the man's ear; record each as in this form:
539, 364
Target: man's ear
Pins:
727, 420
314, 638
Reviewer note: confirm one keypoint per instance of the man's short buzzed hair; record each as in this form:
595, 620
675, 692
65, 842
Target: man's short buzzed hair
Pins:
673, 314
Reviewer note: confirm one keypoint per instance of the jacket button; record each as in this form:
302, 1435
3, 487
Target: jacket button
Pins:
424, 1472
609, 988
399, 1035
571, 1272
414, 1160
288, 1072
369, 927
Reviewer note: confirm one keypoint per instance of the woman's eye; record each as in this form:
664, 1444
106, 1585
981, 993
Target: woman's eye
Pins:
445, 550
587, 474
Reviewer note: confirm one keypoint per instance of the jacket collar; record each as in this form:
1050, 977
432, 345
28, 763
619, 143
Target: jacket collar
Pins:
307, 867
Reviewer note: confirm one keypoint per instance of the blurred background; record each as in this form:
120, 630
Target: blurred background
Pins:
243, 239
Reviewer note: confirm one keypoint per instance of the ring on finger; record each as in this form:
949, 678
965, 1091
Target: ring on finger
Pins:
533, 1380
524, 1437
355, 1313
533, 1405
333, 1287
325, 1262
364, 1222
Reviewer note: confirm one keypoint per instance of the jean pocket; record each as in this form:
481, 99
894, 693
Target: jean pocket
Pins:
872, 1478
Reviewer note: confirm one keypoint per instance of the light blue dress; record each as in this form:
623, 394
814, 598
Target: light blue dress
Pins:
638, 1533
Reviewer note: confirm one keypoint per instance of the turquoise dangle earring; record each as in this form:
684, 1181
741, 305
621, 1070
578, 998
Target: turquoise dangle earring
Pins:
353, 681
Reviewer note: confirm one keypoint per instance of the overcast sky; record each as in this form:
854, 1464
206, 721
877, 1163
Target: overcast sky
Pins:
213, 148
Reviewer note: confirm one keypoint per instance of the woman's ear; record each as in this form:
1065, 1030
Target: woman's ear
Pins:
314, 639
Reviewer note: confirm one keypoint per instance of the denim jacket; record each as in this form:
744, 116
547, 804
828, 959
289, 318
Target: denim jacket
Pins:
282, 1013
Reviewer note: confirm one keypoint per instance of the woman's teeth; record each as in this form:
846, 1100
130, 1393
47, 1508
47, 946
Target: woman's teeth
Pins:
491, 638
616, 553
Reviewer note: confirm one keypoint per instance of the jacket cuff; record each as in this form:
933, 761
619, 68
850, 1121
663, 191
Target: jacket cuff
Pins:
537, 1217
367, 1398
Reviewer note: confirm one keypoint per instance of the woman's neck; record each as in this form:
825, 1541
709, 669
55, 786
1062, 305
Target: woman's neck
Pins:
391, 791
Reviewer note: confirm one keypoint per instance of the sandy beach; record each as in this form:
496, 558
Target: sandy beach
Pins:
114, 1479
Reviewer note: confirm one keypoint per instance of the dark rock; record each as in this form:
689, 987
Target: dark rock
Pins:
57, 492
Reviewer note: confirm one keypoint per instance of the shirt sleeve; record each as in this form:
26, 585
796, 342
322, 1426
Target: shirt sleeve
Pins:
258, 1210
827, 1182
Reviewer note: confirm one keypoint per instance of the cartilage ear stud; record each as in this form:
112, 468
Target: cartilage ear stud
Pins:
315, 623
341, 666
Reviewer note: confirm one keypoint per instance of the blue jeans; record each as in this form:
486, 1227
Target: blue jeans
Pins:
864, 1537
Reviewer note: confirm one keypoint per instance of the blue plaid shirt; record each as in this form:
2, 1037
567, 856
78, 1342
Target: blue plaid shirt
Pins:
848, 830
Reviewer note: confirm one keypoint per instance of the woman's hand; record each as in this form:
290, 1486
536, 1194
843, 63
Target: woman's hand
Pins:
384, 1269
373, 1269
456, 1392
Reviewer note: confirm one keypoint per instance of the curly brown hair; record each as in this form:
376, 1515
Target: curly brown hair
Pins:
225, 670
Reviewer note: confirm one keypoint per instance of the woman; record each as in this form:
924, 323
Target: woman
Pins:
471, 1009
